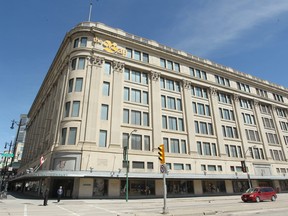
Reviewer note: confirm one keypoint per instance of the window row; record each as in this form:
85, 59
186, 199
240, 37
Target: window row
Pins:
277, 155
203, 128
243, 87
233, 151
257, 153
261, 93
278, 97
135, 117
245, 103
199, 92
135, 95
136, 76
197, 73
78, 63
224, 98
74, 112
268, 123
281, 112
272, 138
171, 103
230, 132
139, 165
206, 148
264, 108
75, 85
222, 81
211, 168
80, 42
172, 123
169, 65
136, 142
284, 126
137, 55
172, 145
201, 109
252, 135
248, 119
169, 84
227, 114
68, 136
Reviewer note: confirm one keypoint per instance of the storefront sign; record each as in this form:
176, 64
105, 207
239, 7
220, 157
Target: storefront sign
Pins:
110, 46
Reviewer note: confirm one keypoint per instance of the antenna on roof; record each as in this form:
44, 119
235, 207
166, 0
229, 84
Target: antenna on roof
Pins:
90, 11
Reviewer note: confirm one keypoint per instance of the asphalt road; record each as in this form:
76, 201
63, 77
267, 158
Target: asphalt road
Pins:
220, 205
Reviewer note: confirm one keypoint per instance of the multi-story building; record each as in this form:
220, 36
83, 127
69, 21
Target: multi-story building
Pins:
107, 89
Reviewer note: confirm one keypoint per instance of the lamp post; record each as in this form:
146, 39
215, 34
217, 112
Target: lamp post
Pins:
125, 151
247, 170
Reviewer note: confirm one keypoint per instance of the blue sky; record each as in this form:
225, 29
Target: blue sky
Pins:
248, 35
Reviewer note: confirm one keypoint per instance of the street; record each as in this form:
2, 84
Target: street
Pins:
216, 205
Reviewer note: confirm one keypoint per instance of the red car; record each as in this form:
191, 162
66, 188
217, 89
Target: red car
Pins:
258, 194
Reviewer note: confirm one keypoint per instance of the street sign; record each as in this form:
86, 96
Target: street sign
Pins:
7, 155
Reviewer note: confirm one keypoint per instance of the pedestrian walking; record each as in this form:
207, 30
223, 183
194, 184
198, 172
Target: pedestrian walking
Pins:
59, 193
45, 196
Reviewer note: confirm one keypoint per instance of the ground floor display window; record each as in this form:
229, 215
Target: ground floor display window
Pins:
179, 187
213, 186
138, 187
284, 185
240, 186
100, 187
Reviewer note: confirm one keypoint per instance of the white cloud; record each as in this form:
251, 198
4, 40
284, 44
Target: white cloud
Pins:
214, 24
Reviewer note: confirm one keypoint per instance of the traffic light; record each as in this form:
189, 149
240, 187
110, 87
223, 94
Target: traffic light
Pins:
161, 154
243, 166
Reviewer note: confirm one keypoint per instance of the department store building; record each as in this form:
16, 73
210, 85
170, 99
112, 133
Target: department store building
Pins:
107, 89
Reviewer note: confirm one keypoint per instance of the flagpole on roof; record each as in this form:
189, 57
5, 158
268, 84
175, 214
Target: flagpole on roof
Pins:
90, 11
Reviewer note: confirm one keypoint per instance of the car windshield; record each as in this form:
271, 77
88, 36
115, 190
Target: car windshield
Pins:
251, 190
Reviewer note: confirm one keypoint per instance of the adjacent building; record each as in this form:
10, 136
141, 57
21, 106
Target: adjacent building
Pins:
108, 90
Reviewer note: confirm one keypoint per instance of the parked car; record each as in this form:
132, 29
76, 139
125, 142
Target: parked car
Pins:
258, 194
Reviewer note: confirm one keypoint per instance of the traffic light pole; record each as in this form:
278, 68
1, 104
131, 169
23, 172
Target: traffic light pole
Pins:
165, 210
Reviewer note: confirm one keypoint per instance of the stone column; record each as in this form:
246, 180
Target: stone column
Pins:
156, 110
189, 117
116, 105
217, 122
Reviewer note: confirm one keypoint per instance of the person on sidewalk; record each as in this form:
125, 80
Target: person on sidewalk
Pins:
45, 196
59, 193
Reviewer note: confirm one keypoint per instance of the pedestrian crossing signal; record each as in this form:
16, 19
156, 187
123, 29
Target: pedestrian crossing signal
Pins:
161, 154
243, 166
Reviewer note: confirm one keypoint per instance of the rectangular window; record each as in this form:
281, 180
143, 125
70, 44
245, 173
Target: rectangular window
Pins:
81, 63
145, 97
70, 85
166, 144
106, 89
135, 117
78, 84
136, 142
138, 165
104, 112
183, 147
67, 109
147, 143
75, 109
164, 122
72, 136
129, 53
126, 94
125, 140
107, 68
83, 42
145, 119
174, 146
76, 42
137, 55
126, 116
63, 136
145, 57
172, 123
136, 76
103, 138
163, 63
178, 166
135, 95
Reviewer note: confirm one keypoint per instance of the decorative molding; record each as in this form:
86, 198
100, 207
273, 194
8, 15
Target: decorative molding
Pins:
186, 84
236, 97
213, 91
154, 76
95, 60
118, 66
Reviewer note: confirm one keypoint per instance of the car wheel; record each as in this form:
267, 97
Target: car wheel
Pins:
273, 198
257, 199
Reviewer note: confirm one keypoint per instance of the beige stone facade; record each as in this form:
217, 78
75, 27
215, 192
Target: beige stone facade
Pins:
107, 89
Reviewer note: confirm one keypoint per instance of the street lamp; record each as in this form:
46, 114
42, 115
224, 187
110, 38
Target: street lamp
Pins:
244, 166
125, 155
